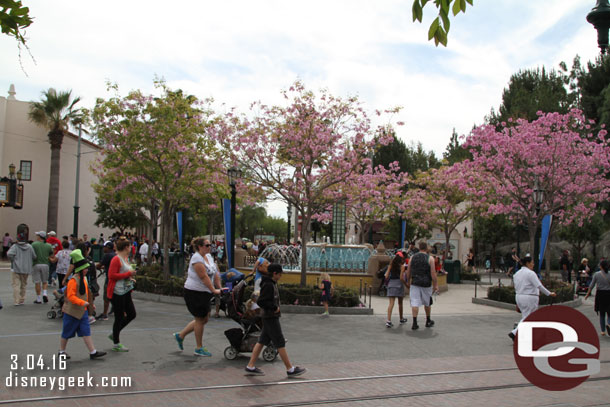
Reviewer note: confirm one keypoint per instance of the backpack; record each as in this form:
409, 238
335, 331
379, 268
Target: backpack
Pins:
420, 278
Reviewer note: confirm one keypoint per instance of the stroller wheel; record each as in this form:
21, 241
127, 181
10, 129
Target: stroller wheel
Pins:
51, 314
269, 354
231, 353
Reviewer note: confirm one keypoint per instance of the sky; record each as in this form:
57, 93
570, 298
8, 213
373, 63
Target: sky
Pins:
243, 51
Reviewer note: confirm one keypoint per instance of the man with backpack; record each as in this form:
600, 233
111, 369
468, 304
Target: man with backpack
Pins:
420, 278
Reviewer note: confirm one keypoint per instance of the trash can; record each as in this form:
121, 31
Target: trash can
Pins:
453, 271
176, 264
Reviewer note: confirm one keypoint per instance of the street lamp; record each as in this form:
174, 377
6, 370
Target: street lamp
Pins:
289, 218
234, 174
538, 199
599, 16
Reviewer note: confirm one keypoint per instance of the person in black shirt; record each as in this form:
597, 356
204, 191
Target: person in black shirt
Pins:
565, 267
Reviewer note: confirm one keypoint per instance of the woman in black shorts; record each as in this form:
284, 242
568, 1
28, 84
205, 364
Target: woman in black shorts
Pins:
202, 282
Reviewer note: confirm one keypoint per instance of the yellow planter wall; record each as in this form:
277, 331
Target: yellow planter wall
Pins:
351, 280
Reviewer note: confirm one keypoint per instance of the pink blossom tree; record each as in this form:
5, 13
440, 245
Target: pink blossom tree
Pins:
303, 151
157, 154
557, 151
444, 198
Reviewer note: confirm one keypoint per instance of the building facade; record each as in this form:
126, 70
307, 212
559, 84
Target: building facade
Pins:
26, 145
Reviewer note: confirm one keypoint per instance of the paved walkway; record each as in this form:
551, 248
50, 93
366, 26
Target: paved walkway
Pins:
465, 360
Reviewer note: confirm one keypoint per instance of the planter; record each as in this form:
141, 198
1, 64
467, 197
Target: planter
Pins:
508, 306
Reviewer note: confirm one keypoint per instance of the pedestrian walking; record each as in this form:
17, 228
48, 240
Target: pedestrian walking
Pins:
22, 257
601, 280
40, 271
76, 315
120, 284
202, 283
527, 290
327, 291
63, 263
6, 244
56, 245
396, 287
269, 301
105, 266
420, 278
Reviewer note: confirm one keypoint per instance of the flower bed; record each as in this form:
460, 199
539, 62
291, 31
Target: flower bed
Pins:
565, 293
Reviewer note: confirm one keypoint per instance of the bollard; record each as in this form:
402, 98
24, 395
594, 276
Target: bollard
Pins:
365, 286
370, 292
499, 282
360, 292
475, 288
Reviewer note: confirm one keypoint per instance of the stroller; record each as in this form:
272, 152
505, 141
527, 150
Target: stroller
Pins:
582, 283
383, 287
244, 338
56, 311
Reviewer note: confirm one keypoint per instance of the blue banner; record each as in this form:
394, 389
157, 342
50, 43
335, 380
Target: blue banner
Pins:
403, 232
179, 225
226, 214
544, 238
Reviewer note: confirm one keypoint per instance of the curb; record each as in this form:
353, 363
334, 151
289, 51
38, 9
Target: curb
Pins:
504, 305
286, 308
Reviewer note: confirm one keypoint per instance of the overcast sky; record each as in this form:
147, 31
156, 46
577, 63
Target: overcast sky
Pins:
241, 51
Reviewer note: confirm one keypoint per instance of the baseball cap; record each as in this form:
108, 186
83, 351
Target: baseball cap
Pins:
109, 244
52, 233
42, 234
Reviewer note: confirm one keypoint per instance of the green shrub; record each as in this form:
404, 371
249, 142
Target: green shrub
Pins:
565, 292
174, 286
465, 275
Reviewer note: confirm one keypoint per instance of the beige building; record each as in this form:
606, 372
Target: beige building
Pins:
26, 145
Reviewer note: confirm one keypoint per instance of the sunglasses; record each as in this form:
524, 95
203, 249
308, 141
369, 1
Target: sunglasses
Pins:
207, 245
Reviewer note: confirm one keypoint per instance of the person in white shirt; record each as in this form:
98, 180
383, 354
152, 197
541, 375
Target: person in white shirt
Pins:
144, 252
527, 290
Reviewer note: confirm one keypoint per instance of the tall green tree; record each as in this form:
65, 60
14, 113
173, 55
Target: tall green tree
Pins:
491, 231
117, 217
55, 112
455, 152
580, 235
530, 91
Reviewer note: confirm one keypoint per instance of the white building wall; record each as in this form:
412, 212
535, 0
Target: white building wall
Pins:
20, 140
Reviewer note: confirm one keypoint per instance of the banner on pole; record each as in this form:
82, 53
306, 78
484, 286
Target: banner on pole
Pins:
179, 226
403, 233
544, 238
226, 214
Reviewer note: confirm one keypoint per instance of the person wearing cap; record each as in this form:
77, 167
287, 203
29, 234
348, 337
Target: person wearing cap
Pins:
76, 316
22, 257
527, 290
56, 245
40, 271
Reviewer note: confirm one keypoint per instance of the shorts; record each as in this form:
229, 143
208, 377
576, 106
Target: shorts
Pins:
396, 288
76, 326
272, 333
40, 273
420, 296
197, 302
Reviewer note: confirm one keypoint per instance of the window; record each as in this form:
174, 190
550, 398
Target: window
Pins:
26, 170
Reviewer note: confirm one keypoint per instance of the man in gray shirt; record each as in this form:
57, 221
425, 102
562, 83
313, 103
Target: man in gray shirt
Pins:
22, 257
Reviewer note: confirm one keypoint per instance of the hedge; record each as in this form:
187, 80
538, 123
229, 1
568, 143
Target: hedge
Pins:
565, 292
465, 275
289, 293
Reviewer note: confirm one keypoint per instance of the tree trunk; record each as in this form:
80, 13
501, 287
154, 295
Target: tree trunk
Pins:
304, 240
52, 203
493, 257
166, 227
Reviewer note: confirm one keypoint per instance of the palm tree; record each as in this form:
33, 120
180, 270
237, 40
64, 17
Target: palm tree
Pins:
55, 112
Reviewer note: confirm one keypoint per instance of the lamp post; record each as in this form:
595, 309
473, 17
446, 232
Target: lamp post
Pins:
289, 218
599, 17
234, 174
76, 207
538, 199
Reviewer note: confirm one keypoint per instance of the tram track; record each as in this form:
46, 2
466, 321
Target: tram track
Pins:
300, 382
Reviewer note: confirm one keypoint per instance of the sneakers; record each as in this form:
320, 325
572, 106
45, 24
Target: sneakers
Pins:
179, 340
325, 314
45, 299
64, 354
403, 321
37, 302
119, 348
388, 324
255, 371
96, 355
92, 320
203, 351
415, 327
296, 372
429, 323
102, 317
